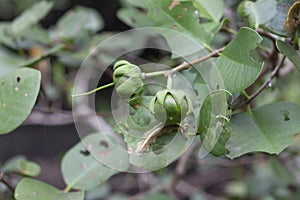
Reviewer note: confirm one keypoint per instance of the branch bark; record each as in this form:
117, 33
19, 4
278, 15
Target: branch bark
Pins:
6, 182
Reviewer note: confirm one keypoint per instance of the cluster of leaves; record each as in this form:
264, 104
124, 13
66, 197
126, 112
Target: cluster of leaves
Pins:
26, 46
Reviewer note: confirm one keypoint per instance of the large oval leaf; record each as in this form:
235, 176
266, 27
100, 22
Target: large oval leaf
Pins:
236, 66
9, 61
82, 167
31, 16
134, 17
36, 190
266, 129
211, 124
18, 93
183, 18
78, 22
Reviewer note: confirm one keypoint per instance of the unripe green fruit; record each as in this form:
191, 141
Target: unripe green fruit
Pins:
121, 63
170, 106
128, 79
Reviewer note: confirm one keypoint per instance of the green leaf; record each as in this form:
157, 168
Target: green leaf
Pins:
211, 123
9, 61
134, 17
141, 119
283, 175
78, 23
79, 195
200, 86
31, 16
21, 165
5, 36
277, 24
36, 190
33, 36
290, 52
183, 18
135, 3
168, 147
269, 128
24, 40
235, 64
18, 92
82, 166
214, 27
259, 12
210, 9
134, 13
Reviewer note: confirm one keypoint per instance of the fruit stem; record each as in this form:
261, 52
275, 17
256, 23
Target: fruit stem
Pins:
169, 82
94, 90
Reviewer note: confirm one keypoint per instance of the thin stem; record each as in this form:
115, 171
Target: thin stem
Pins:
264, 85
184, 65
296, 36
244, 93
45, 55
169, 82
94, 90
230, 30
68, 188
222, 90
268, 35
154, 74
6, 182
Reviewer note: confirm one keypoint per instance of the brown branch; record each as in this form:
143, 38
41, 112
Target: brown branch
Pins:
183, 66
186, 65
6, 182
267, 35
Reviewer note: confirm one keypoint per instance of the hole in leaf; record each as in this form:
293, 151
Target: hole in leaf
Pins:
18, 79
104, 143
286, 118
292, 188
85, 152
285, 114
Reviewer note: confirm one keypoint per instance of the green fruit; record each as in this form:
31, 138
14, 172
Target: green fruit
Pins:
170, 106
128, 79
